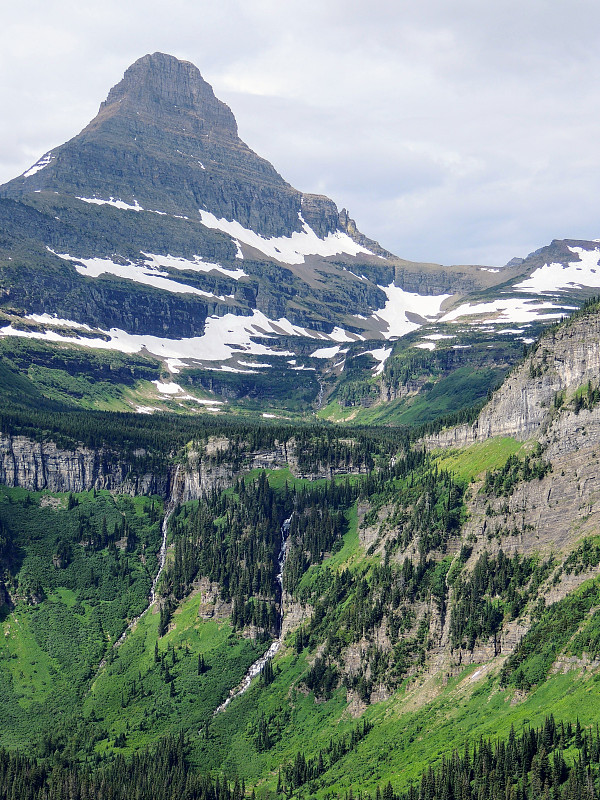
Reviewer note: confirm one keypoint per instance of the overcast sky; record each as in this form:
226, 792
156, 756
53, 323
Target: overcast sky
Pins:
455, 131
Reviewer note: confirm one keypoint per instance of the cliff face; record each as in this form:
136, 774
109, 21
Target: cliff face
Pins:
42, 465
564, 360
551, 514
39, 466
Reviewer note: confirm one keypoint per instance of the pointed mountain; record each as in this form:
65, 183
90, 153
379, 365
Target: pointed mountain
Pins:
163, 141
157, 230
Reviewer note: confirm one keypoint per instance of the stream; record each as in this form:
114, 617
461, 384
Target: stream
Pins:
162, 553
258, 666
172, 504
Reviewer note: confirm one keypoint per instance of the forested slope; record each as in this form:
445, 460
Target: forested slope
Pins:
440, 606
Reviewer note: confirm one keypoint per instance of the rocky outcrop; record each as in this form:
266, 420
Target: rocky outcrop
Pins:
39, 466
526, 403
548, 515
43, 465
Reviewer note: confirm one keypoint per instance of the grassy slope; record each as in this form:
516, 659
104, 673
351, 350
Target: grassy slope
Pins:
132, 695
473, 461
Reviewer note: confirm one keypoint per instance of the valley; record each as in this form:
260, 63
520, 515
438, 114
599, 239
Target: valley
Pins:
282, 514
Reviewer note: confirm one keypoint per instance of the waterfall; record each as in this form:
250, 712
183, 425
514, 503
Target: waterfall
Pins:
259, 664
173, 502
162, 553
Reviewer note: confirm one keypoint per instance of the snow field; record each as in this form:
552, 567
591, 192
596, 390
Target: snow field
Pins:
553, 277
393, 314
287, 249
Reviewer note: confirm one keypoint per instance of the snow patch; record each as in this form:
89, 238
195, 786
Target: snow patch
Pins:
340, 335
287, 249
555, 277
510, 309
48, 319
43, 162
195, 265
173, 365
426, 345
399, 302
115, 202
381, 355
254, 364
203, 400
167, 388
326, 352
145, 273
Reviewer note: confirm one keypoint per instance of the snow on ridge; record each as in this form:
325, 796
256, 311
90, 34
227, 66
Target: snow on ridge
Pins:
556, 277
40, 164
287, 249
195, 265
223, 338
115, 202
145, 273
399, 302
510, 309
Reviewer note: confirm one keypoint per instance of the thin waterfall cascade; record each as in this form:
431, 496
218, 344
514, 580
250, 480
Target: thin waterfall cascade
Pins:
259, 664
172, 503
162, 553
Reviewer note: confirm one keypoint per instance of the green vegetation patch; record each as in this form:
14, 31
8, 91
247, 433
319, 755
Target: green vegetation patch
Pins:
470, 462
530, 663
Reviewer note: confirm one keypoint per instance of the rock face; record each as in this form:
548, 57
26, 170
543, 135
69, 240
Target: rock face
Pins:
565, 359
42, 465
163, 140
39, 466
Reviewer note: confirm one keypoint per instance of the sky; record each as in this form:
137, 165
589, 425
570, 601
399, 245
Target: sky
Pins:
454, 131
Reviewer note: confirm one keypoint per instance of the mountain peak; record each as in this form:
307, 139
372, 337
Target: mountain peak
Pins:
165, 89
162, 141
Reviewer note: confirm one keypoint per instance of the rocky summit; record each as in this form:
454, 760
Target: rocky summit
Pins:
157, 232
163, 141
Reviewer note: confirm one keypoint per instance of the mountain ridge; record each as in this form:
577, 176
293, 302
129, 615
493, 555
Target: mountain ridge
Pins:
157, 231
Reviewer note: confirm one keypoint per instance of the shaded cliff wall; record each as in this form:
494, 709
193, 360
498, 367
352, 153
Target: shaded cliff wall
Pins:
43, 465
